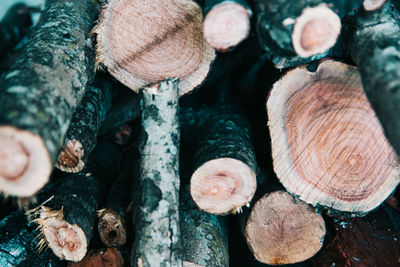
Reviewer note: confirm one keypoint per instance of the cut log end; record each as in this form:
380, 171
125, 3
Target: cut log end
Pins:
226, 25
223, 185
141, 42
71, 157
328, 146
67, 241
282, 230
315, 31
371, 5
111, 228
191, 264
110, 257
24, 169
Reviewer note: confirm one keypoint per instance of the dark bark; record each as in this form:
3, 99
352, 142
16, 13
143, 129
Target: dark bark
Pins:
40, 92
18, 243
372, 39
156, 211
204, 235
14, 26
84, 127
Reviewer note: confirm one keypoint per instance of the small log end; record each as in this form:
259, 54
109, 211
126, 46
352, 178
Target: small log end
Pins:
71, 157
372, 5
111, 228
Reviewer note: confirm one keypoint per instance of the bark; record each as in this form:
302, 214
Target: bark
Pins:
328, 147
226, 23
19, 244
156, 212
14, 26
42, 89
223, 178
205, 236
82, 132
373, 240
109, 257
374, 34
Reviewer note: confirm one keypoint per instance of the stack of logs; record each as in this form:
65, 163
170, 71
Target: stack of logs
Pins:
151, 160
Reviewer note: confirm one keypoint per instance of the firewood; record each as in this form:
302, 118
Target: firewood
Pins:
283, 230
156, 200
372, 39
82, 132
67, 221
226, 23
14, 26
373, 240
205, 241
142, 42
328, 147
109, 257
223, 178
40, 93
371, 5
19, 243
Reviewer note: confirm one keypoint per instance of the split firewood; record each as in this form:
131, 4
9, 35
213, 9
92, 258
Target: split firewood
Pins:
14, 26
82, 132
223, 178
328, 147
19, 244
156, 200
66, 221
110, 257
375, 34
142, 42
373, 240
205, 241
226, 23
40, 92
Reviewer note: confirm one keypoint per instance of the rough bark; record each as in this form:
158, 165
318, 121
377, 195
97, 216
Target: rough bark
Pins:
150, 41
328, 147
373, 240
82, 132
109, 257
226, 23
205, 236
223, 178
14, 26
40, 92
156, 211
375, 34
19, 243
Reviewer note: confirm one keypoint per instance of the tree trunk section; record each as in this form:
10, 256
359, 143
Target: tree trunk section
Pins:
40, 93
328, 147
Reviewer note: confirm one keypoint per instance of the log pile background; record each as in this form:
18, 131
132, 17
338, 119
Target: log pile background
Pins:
200, 133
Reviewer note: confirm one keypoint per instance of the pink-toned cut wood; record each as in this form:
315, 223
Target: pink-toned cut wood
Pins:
25, 164
283, 230
223, 185
371, 5
315, 31
71, 157
328, 147
110, 257
190, 264
141, 42
226, 25
111, 228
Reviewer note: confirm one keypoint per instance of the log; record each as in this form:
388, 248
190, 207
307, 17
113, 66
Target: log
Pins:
66, 222
374, 34
328, 147
14, 26
19, 243
223, 178
371, 5
205, 241
373, 240
109, 257
142, 42
283, 230
226, 23
156, 211
40, 92
82, 132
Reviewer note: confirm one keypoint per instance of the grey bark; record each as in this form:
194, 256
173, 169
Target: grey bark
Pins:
156, 211
41, 90
372, 38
